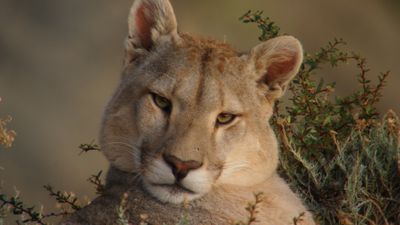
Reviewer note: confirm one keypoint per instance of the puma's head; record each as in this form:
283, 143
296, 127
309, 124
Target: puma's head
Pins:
192, 113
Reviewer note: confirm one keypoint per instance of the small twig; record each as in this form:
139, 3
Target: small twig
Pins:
123, 218
298, 220
89, 147
18, 208
63, 198
252, 209
96, 180
267, 27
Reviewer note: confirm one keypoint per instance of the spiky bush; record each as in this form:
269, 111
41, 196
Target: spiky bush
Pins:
336, 151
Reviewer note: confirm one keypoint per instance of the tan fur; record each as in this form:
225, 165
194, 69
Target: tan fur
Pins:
201, 78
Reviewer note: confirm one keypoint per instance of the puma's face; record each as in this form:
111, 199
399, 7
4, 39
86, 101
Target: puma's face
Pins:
190, 114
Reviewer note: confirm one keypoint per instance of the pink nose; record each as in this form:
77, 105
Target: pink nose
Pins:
180, 168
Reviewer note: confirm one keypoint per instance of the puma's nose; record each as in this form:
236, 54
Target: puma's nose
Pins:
181, 168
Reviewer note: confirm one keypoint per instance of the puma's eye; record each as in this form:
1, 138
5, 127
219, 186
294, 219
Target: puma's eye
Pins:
225, 118
162, 103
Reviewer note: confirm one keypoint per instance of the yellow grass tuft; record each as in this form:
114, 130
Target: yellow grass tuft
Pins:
7, 136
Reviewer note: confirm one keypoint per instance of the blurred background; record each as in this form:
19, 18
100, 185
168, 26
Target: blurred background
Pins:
60, 61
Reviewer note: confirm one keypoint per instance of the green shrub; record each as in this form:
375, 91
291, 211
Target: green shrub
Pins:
335, 151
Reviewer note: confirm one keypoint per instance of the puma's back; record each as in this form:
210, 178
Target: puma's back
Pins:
188, 125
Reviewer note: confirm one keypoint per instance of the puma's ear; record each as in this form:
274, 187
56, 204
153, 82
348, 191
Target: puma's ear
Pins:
276, 62
150, 22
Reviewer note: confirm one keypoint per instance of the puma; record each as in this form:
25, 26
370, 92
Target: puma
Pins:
186, 131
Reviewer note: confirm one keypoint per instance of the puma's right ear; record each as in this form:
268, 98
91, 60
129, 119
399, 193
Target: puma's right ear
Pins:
150, 22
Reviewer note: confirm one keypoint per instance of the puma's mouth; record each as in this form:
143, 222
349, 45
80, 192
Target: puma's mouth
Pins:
176, 188
160, 181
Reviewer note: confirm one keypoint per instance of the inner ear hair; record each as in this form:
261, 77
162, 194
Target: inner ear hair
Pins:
277, 61
150, 22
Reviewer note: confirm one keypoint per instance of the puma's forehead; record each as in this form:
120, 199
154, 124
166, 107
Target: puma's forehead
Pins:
200, 72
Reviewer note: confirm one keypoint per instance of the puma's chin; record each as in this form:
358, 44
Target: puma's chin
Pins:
171, 193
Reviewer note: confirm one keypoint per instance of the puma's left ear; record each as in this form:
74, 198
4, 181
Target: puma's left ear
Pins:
276, 62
